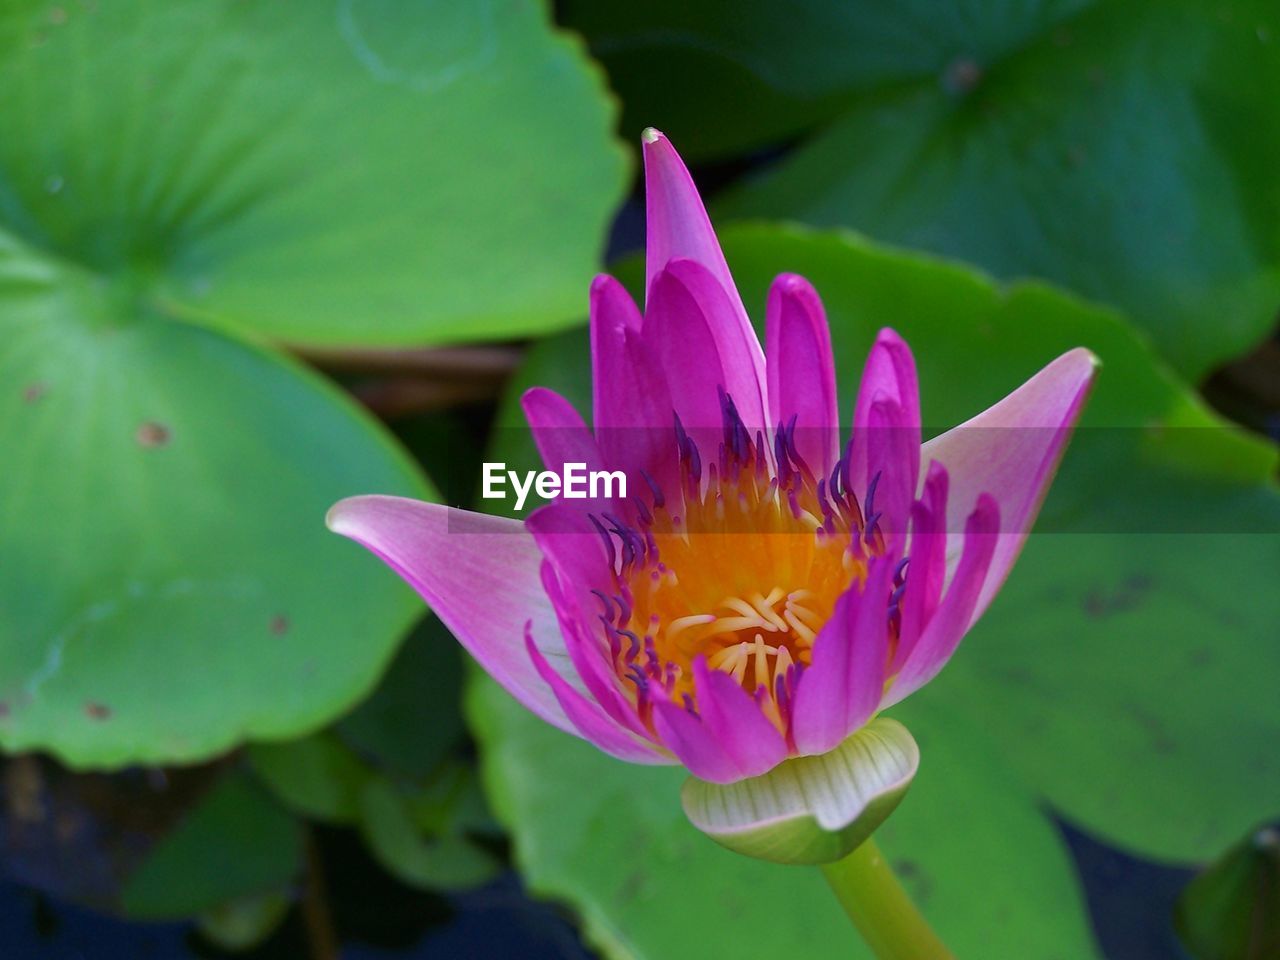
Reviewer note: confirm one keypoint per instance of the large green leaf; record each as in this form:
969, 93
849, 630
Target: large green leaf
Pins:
612, 838
1125, 149
169, 587
353, 171
1121, 678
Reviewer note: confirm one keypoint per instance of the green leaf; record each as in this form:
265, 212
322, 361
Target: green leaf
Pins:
1231, 911
1125, 149
1150, 603
242, 924
313, 174
169, 586
447, 862
361, 171
1122, 677
413, 720
317, 776
236, 843
988, 870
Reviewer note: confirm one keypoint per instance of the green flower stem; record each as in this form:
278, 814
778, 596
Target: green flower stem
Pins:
873, 898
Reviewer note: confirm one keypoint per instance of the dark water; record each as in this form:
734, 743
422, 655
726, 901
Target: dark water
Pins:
376, 918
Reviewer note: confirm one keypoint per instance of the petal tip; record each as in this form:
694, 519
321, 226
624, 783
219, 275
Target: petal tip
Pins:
340, 518
792, 284
651, 135
890, 337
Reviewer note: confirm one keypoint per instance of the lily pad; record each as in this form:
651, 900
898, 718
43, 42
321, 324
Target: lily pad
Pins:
316, 777
307, 172
351, 172
1125, 150
612, 839
449, 861
169, 588
1120, 678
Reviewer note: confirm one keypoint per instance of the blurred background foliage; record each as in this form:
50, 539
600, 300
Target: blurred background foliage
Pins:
256, 256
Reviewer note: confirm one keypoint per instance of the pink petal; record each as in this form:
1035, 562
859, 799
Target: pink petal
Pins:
842, 687
482, 577
558, 430
576, 565
889, 378
678, 228
927, 569
1011, 451
801, 371
694, 745
740, 355
689, 327
698, 360
736, 721
589, 721
955, 613
893, 457
632, 409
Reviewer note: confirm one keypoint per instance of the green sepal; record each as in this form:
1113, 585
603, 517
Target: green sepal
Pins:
1231, 911
810, 809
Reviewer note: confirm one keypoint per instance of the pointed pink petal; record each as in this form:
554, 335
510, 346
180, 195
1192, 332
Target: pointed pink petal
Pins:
590, 722
740, 355
692, 742
801, 371
736, 721
954, 614
1011, 451
559, 431
575, 566
678, 227
679, 331
842, 687
614, 318
889, 375
480, 574
927, 569
893, 457
633, 414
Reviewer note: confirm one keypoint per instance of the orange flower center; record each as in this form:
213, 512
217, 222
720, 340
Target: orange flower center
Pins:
744, 571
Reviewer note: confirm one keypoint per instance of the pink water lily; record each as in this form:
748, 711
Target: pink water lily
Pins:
764, 590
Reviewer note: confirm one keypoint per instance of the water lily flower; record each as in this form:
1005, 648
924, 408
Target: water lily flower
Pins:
764, 590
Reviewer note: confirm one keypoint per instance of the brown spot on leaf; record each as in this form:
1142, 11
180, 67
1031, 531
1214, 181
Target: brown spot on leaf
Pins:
34, 392
152, 434
632, 886
962, 76
1100, 603
4, 709
1158, 737
279, 624
97, 711
914, 878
